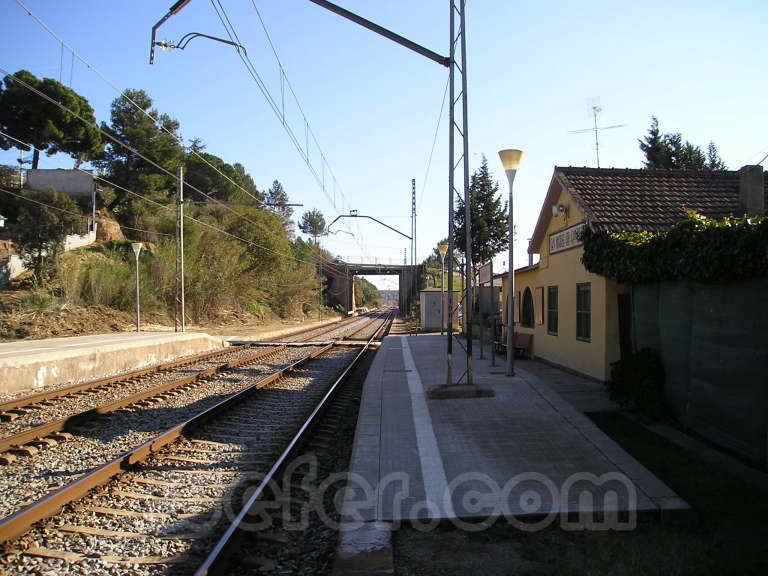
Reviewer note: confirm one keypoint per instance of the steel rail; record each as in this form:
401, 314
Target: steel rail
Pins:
373, 320
380, 332
108, 380
305, 330
217, 558
16, 441
11, 527
331, 329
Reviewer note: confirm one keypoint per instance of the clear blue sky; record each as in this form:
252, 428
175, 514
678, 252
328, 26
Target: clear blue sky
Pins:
532, 67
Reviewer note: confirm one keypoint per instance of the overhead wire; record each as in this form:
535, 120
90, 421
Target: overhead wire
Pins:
265, 91
131, 101
139, 154
206, 224
755, 155
145, 231
186, 216
284, 76
110, 136
140, 109
290, 87
434, 142
22, 197
280, 113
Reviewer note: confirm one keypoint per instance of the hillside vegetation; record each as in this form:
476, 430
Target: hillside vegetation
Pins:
242, 256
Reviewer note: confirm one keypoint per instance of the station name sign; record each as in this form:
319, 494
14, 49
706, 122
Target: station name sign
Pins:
565, 239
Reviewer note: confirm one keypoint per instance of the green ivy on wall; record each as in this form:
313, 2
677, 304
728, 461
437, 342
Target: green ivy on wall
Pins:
697, 249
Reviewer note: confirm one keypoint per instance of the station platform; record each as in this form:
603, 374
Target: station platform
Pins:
34, 365
524, 454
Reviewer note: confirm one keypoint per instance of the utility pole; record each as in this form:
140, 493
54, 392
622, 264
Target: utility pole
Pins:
93, 206
457, 36
451, 152
467, 195
494, 310
179, 300
320, 292
413, 221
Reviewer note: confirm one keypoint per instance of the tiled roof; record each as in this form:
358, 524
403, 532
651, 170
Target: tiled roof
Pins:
630, 200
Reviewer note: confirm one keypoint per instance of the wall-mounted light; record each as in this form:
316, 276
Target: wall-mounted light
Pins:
559, 210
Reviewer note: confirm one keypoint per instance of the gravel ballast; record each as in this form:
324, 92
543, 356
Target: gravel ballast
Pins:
187, 489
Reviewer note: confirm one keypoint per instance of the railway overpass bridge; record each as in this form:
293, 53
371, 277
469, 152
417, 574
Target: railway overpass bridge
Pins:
340, 285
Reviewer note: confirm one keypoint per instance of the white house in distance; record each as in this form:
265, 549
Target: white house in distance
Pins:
75, 183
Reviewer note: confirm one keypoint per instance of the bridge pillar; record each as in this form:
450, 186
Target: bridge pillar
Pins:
340, 285
403, 291
410, 280
341, 281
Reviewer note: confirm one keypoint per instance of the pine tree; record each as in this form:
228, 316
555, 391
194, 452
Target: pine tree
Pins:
669, 151
714, 162
155, 135
313, 224
489, 226
654, 147
277, 199
33, 119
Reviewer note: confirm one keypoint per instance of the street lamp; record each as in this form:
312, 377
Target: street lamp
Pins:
511, 159
136, 250
442, 249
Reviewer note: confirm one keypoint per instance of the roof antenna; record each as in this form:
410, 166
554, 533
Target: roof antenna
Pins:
596, 109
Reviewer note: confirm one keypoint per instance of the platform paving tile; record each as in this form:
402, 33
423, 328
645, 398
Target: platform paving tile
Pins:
524, 452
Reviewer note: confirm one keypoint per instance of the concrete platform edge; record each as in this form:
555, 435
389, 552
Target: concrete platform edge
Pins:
365, 545
79, 360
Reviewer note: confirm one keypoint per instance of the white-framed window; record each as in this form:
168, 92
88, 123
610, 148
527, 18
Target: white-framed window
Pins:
584, 311
552, 310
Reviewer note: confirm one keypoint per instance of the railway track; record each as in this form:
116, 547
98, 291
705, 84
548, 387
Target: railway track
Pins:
30, 423
336, 330
45, 423
10, 410
19, 407
164, 505
292, 537
94, 438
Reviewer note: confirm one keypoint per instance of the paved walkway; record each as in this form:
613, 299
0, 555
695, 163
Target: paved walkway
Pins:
524, 452
584, 393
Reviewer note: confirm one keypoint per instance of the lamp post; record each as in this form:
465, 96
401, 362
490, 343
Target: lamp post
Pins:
136, 250
511, 159
442, 249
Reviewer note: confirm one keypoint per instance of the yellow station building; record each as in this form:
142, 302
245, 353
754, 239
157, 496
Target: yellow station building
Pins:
582, 321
